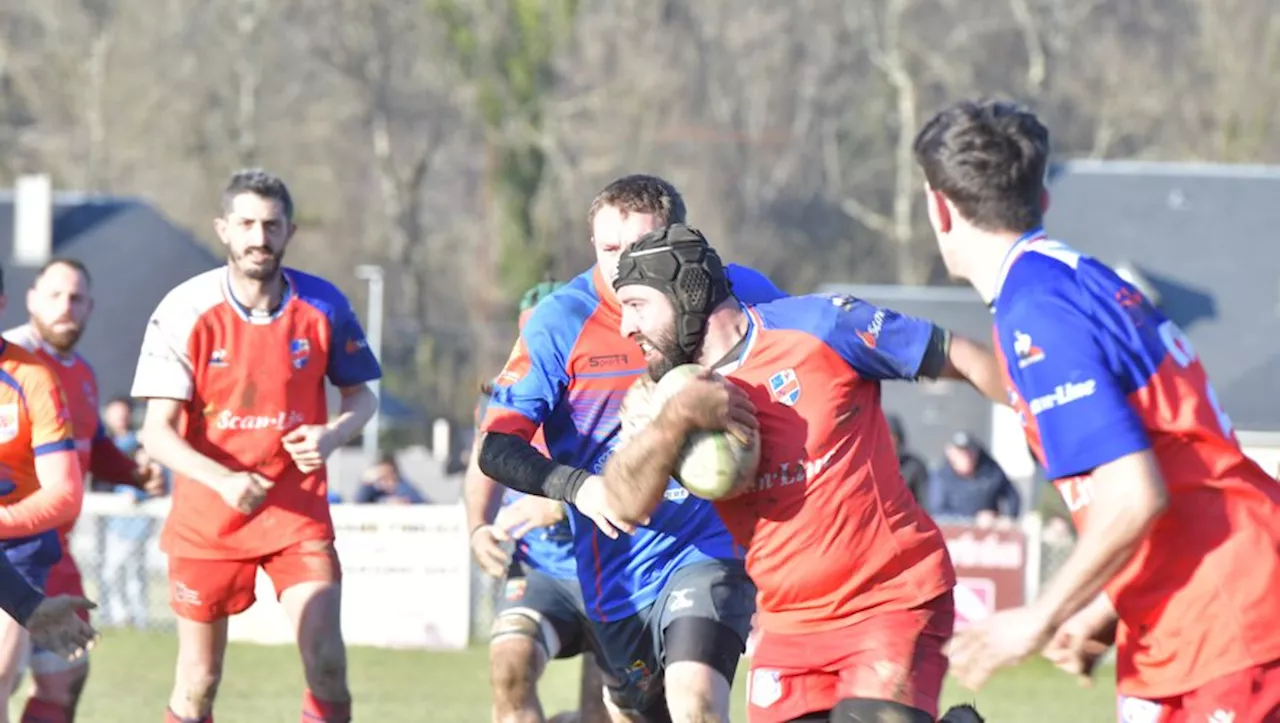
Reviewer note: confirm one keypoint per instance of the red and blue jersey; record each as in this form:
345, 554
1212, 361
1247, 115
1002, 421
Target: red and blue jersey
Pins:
1098, 373
568, 374
833, 534
247, 379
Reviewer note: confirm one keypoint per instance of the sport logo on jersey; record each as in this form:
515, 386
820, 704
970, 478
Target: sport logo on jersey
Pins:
871, 335
784, 387
9, 422
299, 352
1027, 352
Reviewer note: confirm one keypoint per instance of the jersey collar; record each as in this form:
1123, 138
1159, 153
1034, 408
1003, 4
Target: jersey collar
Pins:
1018, 248
753, 326
250, 315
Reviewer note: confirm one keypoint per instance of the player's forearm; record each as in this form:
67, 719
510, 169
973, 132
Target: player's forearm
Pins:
636, 476
480, 494
358, 407
515, 463
56, 503
169, 449
18, 597
1128, 498
967, 360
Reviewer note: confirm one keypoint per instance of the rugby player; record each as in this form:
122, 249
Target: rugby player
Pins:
233, 367
540, 614
855, 581
59, 304
1179, 546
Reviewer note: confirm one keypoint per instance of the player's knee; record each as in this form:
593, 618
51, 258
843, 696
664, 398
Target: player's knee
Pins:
513, 668
696, 693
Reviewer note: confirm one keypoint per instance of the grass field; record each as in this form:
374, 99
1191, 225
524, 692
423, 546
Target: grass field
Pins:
132, 673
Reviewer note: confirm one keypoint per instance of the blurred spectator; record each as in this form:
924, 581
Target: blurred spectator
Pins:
383, 483
971, 484
914, 471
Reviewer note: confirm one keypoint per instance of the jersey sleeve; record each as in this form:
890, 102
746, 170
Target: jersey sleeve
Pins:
164, 369
351, 361
533, 380
48, 411
1079, 404
878, 343
751, 286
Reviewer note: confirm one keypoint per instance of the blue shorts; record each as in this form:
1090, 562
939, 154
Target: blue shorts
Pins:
34, 556
702, 615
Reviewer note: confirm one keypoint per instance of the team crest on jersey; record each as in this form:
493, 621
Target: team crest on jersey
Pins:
784, 387
218, 358
1026, 350
9, 422
299, 352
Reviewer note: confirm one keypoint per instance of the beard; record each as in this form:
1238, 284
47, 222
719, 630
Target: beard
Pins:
258, 263
63, 341
667, 353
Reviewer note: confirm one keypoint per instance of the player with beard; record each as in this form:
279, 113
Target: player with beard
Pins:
59, 304
233, 368
854, 579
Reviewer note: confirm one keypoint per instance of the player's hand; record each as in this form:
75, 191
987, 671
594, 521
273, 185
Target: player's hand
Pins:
486, 547
244, 491
593, 501
526, 514
1006, 638
309, 445
712, 404
1079, 643
55, 626
150, 479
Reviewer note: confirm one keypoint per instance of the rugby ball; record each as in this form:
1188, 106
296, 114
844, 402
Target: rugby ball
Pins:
712, 465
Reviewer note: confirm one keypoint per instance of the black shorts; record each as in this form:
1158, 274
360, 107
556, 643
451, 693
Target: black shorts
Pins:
551, 602
703, 614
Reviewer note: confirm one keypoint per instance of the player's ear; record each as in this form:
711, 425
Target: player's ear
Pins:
4, 303
1044, 200
939, 210
220, 228
293, 228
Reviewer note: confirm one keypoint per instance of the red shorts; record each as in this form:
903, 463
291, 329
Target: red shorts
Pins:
1249, 696
64, 579
209, 590
894, 656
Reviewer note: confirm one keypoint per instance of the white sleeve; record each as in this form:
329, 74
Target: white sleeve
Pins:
165, 370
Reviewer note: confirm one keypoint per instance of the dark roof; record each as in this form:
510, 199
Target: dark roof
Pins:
1204, 235
932, 412
136, 255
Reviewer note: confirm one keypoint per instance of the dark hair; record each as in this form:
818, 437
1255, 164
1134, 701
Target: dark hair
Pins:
389, 459
989, 159
121, 399
67, 261
259, 183
639, 193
